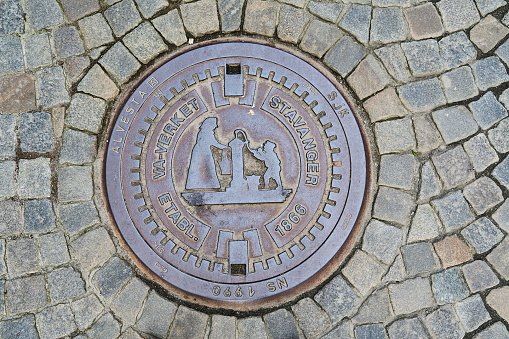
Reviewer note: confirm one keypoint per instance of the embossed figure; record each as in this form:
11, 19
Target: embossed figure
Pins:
202, 170
269, 156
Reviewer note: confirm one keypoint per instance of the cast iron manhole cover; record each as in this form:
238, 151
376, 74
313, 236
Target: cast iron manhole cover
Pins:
235, 172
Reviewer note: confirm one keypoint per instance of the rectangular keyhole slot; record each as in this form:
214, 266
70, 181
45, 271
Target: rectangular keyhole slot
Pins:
238, 269
233, 69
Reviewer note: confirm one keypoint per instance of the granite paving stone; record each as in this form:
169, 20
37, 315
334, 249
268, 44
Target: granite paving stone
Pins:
452, 251
488, 33
201, 17
472, 312
292, 22
85, 112
483, 194
11, 17
8, 138
50, 86
456, 50
55, 322
319, 37
230, 13
22, 256
11, 217
128, 302
425, 224
488, 6
251, 328
150, 7
410, 296
501, 216
34, 178
75, 66
77, 148
363, 271
43, 13
382, 240
145, 43
188, 324
407, 328
3, 267
424, 22
36, 132
97, 83
65, 283
385, 105
38, 50
7, 179
356, 21
458, 14
67, 42
26, 294
423, 57
93, 248
171, 27
448, 286
487, 110
394, 61
76, 217
497, 330
498, 136
75, 183
459, 84
76, 9
422, 96
455, 123
453, 210
393, 205
479, 276
497, 299
122, 17
489, 72
344, 55
344, 330
112, 276
130, 334
399, 171
426, 134
376, 308
503, 52
17, 94
430, 183
499, 260
11, 55
394, 136
105, 327
23, 327
310, 317
396, 272
419, 258
372, 331
86, 310
443, 323
281, 324
328, 11
222, 327
480, 152
337, 298
154, 322
53, 248
501, 172
388, 25
453, 167
95, 30
370, 68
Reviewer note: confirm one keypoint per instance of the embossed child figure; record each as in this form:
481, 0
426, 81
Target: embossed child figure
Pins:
272, 162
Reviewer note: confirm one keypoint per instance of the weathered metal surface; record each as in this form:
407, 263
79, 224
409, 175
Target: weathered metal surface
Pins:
235, 172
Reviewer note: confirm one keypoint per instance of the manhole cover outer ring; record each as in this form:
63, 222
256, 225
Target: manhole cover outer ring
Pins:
145, 255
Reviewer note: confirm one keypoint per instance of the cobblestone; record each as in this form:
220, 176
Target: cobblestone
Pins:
77, 148
384, 105
23, 327
455, 123
479, 276
251, 328
499, 260
67, 42
11, 57
382, 240
496, 330
149, 7
122, 17
222, 327
337, 299
399, 171
145, 43
425, 225
86, 310
357, 21
472, 312
34, 178
377, 308
281, 324
448, 286
488, 6
424, 22
51, 90
53, 248
8, 138
458, 14
419, 258
95, 30
370, 68
501, 216
388, 25
459, 84
3, 270
93, 248
489, 72
38, 50
363, 271
171, 28
393, 205
456, 50
97, 83
85, 112
454, 211
328, 11
43, 13
11, 17
488, 33
311, 318
36, 132
480, 152
65, 283
375, 331
394, 136
487, 110
75, 183
483, 194
128, 302
230, 13
407, 328
10, 217
319, 37
200, 17
443, 323
394, 61
344, 55
105, 327
423, 57
410, 296
430, 183
55, 322
452, 251
421, 96
22, 256
498, 136
77, 217
26, 294
453, 167
497, 299
154, 322
188, 324
426, 133
7, 179
74, 67
76, 9
501, 172
112, 276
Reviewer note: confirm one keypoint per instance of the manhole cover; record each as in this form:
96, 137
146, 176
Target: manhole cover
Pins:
236, 172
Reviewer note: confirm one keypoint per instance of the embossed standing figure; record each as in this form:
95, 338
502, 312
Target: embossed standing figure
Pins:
202, 169
272, 162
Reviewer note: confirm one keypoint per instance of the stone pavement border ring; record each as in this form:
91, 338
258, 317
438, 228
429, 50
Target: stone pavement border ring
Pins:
236, 174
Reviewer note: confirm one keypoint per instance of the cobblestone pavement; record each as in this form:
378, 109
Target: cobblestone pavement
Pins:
432, 82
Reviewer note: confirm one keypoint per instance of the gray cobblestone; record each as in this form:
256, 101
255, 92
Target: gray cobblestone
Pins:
337, 298
86, 310
382, 240
155, 322
7, 179
77, 147
503, 52
222, 327
86, 112
394, 136
424, 21
497, 330
53, 249
200, 17
145, 43
11, 218
22, 256
128, 302
388, 25
93, 248
501, 216
110, 278
55, 322
319, 37
11, 17
363, 271
67, 42
455, 123
372, 331
489, 72
95, 30
407, 328
499, 260
76, 9
385, 105
421, 96
487, 110
501, 172
480, 152
448, 286
456, 49
150, 7
426, 133
344, 55
23, 327
498, 136
51, 90
38, 50
497, 299
430, 183
281, 324
410, 296
77, 217
122, 17
311, 318
453, 167
425, 224
394, 61
488, 6
188, 324
377, 308
458, 14
423, 57
65, 283
130, 334
230, 13
105, 327
75, 183
393, 205
472, 312
171, 27
11, 56
459, 84
8, 138
419, 258
399, 171
443, 323
396, 272
97, 83
370, 68
483, 194
251, 328
357, 21
328, 11
292, 22
43, 13
454, 211
488, 33
34, 178
36, 132
3, 268
26, 294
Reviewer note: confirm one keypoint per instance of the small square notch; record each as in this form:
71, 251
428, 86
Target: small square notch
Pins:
233, 69
238, 269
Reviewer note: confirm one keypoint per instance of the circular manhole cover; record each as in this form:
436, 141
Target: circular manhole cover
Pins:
236, 172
